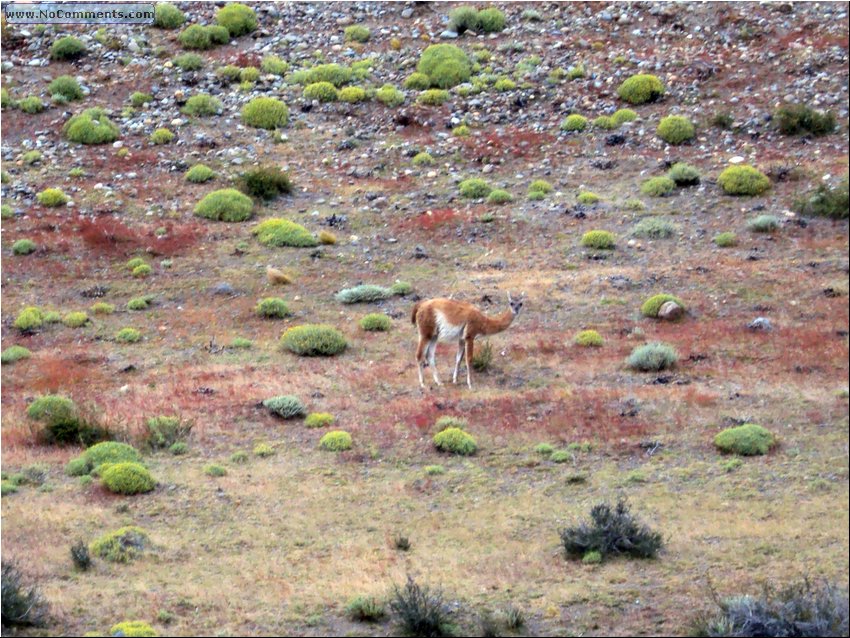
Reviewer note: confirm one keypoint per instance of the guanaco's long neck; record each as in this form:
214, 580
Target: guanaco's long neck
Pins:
492, 325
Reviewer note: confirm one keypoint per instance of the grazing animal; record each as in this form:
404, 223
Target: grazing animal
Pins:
449, 320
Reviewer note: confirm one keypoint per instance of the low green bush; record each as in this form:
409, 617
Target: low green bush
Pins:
127, 478
540, 186
202, 105
321, 91
238, 19
164, 431
798, 118
589, 339
319, 420
640, 89
747, 440
29, 319
274, 65
139, 99
336, 74
652, 305
336, 441
499, 196
455, 441
726, 240
135, 628
13, 354
228, 205
624, 115
683, 174
764, 224
23, 247
417, 82
375, 322
121, 546
67, 87
162, 136
92, 126
52, 197
351, 94
265, 182
356, 33
588, 198
605, 122
599, 240
388, 95
265, 113
743, 180
282, 232
189, 62
312, 340
364, 293
214, 470
433, 97
446, 65
826, 201
140, 303
263, 450
491, 20
658, 187
109, 452
675, 129
167, 16
128, 335
654, 228
199, 174
272, 308
611, 531
422, 159
365, 609
195, 37
52, 408
652, 357
574, 123
102, 308
474, 188
67, 48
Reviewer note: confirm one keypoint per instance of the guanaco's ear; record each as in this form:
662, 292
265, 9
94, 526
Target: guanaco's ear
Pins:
509, 297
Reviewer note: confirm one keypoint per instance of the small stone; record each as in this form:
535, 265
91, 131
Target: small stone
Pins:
761, 323
407, 13
448, 34
670, 311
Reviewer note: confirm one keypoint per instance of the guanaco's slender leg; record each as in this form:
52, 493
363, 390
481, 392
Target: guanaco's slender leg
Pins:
458, 359
420, 352
433, 359
469, 346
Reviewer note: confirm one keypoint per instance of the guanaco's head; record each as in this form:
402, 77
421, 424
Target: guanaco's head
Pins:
515, 304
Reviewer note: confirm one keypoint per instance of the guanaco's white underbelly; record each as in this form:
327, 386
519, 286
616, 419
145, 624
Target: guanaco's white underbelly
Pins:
447, 331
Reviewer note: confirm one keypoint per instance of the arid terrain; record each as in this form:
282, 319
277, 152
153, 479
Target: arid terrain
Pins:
279, 544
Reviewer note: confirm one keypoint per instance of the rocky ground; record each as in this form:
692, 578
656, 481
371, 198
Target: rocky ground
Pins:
280, 544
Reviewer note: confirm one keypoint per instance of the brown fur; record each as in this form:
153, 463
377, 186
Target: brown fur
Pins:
276, 276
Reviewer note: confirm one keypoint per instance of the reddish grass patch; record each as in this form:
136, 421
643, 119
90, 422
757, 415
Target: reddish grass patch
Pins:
510, 143
107, 236
431, 219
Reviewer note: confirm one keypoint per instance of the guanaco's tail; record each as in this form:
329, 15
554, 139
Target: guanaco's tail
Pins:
414, 311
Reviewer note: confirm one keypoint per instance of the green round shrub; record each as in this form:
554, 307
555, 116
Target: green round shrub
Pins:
282, 232
747, 440
189, 62
139, 303
141, 271
624, 115
167, 16
286, 406
499, 196
336, 441
356, 33
202, 105
272, 308
401, 288
743, 180
462, 19
121, 546
433, 97
139, 99
675, 129
491, 20
589, 339
162, 136
274, 65
474, 188
640, 89
265, 182
23, 247
726, 240
764, 224
102, 308
214, 470
228, 205
218, 34
654, 228
29, 319
455, 441
132, 628
652, 357
388, 95
75, 319
14, 353
195, 37
237, 18
319, 420
199, 174
334, 73
598, 239
229, 73
351, 94
110, 452
178, 448
266, 113
503, 85
321, 91
92, 126
52, 197
574, 122
67, 48
652, 305
364, 293
375, 322
263, 450
312, 340
127, 478
78, 467
445, 64
684, 174
658, 187
417, 82
128, 335
605, 122
588, 198
67, 87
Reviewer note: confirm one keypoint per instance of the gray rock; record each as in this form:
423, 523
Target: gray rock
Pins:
223, 288
670, 311
407, 13
448, 34
761, 323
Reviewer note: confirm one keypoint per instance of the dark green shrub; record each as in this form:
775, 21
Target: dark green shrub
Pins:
463, 19
189, 62
312, 340
282, 232
640, 89
365, 609
195, 37
826, 201
218, 34
319, 420
162, 136
51, 409
445, 64
455, 441
139, 99
92, 126
67, 87
652, 305
747, 440
684, 174
574, 123
490, 20
228, 205
272, 308
743, 180
321, 91
199, 174
178, 448
417, 82
474, 188
286, 406
215, 470
388, 95
800, 609
764, 224
652, 357
335, 74
658, 187
266, 113
237, 18
612, 531
67, 48
274, 65
13, 354
598, 239
799, 118
420, 611
80, 556
675, 129
265, 182
482, 357
22, 606
356, 33
121, 546
164, 431
167, 16
23, 247
375, 322
336, 441
726, 240
127, 478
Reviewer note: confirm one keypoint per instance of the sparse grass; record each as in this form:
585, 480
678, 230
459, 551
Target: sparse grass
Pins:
482, 357
654, 228
420, 611
365, 609
764, 224
652, 357
312, 340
